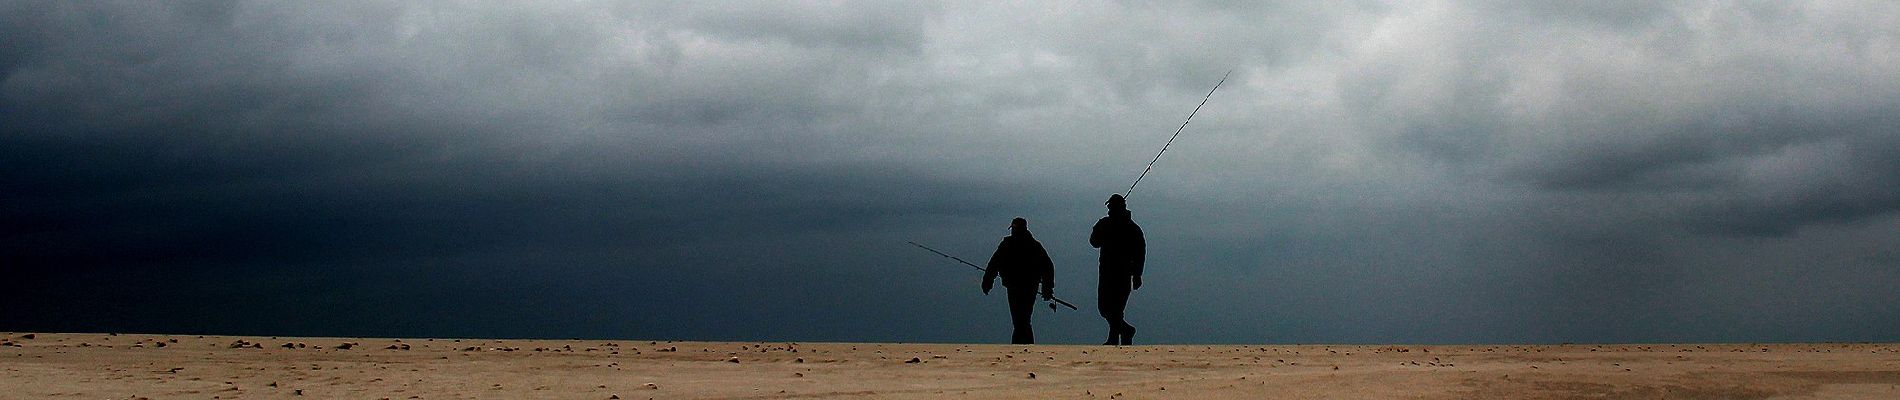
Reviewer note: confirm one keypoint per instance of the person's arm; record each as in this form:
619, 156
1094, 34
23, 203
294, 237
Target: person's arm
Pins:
1048, 273
1139, 249
1095, 236
989, 270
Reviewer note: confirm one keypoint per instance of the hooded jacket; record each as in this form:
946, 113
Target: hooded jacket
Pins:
1123, 249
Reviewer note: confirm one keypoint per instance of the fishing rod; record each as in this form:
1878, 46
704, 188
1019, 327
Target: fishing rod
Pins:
1177, 133
1051, 297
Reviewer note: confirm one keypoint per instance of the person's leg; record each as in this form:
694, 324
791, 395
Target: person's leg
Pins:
1022, 302
1127, 330
1111, 299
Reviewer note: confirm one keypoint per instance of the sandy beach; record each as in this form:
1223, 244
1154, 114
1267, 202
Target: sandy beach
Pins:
134, 366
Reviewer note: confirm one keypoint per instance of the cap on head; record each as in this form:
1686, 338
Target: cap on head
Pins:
1019, 223
1116, 201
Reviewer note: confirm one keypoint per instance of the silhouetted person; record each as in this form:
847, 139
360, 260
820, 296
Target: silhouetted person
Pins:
1123, 251
1024, 265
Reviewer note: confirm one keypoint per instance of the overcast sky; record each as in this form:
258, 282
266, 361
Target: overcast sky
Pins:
1408, 172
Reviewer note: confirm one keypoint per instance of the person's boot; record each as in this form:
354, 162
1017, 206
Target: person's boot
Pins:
1113, 337
1128, 335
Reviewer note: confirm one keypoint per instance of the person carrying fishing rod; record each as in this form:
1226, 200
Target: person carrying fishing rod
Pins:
1123, 254
1024, 266
1124, 250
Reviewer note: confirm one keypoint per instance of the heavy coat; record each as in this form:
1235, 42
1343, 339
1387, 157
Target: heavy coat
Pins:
1123, 249
1022, 263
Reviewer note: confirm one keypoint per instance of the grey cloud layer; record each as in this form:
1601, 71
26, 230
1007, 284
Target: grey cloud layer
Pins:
1778, 113
1413, 171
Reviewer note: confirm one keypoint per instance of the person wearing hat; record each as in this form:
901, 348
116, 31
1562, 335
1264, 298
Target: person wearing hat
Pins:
1123, 252
1024, 265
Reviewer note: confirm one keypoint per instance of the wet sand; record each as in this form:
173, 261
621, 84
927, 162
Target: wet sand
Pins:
132, 366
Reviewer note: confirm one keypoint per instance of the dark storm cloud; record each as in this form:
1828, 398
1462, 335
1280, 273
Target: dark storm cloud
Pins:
1758, 119
1372, 172
236, 159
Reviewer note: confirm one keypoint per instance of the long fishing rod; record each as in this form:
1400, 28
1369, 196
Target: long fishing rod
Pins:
1177, 133
1051, 298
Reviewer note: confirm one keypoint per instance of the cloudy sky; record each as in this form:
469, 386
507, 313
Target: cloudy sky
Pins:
1409, 172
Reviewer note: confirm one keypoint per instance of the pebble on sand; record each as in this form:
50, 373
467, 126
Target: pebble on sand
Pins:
651, 385
734, 360
913, 360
